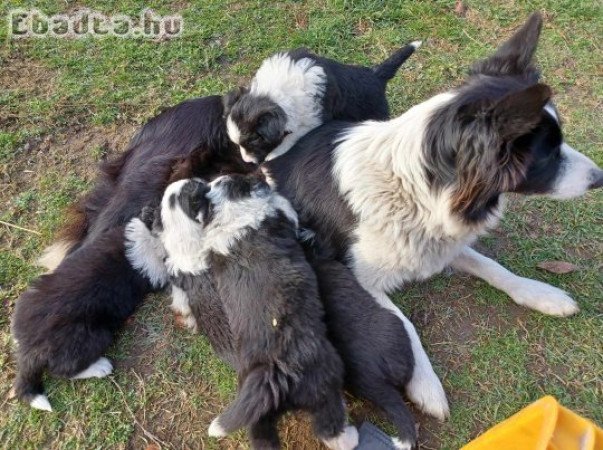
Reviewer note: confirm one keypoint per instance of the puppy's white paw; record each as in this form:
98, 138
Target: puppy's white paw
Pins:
426, 391
98, 369
347, 440
401, 445
215, 429
543, 297
40, 402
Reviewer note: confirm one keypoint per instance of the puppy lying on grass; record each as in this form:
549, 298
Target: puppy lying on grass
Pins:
236, 238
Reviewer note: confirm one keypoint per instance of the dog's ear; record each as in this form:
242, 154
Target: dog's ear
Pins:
271, 126
232, 97
514, 57
520, 112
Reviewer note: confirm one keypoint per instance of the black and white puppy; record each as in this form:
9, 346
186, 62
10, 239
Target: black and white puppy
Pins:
294, 92
66, 320
402, 199
372, 343
245, 236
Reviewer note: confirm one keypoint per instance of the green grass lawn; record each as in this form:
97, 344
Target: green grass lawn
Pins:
65, 105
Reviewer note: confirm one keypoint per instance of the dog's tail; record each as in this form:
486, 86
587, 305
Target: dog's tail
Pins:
388, 68
390, 401
28, 385
261, 392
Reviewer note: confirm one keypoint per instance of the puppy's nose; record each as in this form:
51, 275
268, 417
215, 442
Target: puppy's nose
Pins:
597, 179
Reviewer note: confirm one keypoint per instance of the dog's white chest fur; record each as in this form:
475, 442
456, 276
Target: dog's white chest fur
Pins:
404, 232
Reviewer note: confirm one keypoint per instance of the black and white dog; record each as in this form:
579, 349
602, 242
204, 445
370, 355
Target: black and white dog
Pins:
66, 320
402, 199
246, 236
372, 342
296, 91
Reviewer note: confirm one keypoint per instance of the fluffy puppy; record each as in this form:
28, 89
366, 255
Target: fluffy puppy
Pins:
296, 91
238, 239
65, 322
372, 343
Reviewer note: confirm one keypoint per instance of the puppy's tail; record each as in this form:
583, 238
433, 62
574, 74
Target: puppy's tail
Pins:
388, 68
28, 385
262, 392
388, 399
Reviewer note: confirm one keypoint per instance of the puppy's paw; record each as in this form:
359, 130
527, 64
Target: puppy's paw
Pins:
215, 429
543, 297
135, 230
426, 391
402, 445
101, 368
40, 402
347, 440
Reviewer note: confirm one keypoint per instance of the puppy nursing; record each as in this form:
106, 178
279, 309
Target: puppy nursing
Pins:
294, 92
239, 235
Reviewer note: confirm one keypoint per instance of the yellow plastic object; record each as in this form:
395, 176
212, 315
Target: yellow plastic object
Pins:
543, 425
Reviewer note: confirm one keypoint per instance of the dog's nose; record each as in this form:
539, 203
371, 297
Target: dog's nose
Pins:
597, 178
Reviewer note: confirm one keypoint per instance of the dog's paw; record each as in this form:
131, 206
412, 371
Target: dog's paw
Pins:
402, 445
426, 391
347, 440
543, 297
135, 230
215, 429
98, 369
40, 402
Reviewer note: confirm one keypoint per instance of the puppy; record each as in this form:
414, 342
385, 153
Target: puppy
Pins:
236, 238
296, 91
66, 320
372, 343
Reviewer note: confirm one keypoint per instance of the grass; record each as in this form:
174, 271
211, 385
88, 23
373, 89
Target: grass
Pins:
66, 104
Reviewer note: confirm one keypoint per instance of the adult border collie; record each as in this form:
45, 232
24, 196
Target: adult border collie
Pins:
402, 199
294, 92
244, 235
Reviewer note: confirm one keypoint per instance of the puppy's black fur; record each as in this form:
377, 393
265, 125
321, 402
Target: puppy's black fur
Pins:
372, 342
66, 320
191, 133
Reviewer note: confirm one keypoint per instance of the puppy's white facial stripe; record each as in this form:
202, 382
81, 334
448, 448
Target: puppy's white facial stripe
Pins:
575, 174
233, 131
248, 157
99, 369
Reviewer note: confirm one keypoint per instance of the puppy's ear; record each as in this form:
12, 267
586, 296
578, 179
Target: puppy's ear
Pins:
271, 127
514, 57
520, 112
232, 97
